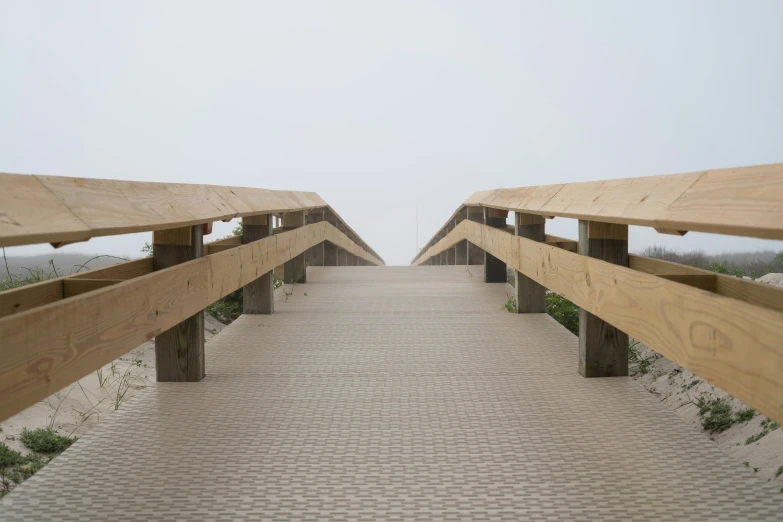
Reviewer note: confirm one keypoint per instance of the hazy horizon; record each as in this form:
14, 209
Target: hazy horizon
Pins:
383, 107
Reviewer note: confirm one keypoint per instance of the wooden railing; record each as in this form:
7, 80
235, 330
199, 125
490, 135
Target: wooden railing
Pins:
55, 332
727, 330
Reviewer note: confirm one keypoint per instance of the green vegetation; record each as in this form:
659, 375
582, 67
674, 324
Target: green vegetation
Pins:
510, 305
717, 415
745, 414
563, 311
45, 440
768, 426
750, 264
15, 467
779, 472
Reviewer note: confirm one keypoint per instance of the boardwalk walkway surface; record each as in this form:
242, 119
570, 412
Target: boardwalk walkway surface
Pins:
394, 393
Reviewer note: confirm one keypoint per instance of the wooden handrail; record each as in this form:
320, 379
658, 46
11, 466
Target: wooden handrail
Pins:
47, 347
732, 338
742, 201
61, 210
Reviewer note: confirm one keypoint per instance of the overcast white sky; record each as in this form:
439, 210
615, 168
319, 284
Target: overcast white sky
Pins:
380, 106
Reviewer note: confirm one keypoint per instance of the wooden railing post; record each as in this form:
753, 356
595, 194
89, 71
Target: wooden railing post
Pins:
475, 254
296, 268
179, 351
451, 253
461, 248
494, 268
258, 297
330, 249
603, 349
531, 296
315, 255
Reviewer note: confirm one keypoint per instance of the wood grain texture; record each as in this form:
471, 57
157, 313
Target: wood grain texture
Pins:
745, 201
179, 350
530, 295
174, 236
603, 348
561, 242
751, 292
258, 296
31, 296
47, 348
734, 345
63, 210
704, 281
72, 287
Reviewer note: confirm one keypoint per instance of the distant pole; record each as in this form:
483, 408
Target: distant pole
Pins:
417, 229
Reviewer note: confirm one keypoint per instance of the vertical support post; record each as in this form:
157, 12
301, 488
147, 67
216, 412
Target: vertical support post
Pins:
461, 248
258, 297
342, 257
451, 254
315, 254
530, 296
330, 249
494, 268
179, 351
475, 254
295, 269
603, 349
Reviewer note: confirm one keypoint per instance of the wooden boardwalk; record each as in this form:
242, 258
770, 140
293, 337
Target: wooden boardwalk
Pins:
394, 393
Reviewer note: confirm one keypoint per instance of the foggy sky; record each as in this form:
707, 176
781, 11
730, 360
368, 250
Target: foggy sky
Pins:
383, 106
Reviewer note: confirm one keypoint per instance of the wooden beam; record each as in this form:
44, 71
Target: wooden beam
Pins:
72, 287
38, 294
561, 242
47, 348
494, 268
214, 249
671, 231
751, 292
706, 282
730, 343
179, 350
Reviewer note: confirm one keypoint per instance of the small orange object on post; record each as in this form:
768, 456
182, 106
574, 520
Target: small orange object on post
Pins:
207, 228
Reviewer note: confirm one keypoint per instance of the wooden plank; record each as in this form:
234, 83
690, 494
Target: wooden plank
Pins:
230, 240
730, 343
494, 268
704, 281
72, 287
38, 294
63, 210
214, 249
751, 292
179, 350
743, 201
46, 348
613, 231
561, 242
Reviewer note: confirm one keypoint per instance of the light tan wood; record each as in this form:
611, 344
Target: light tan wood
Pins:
214, 249
73, 287
38, 294
671, 232
597, 230
63, 210
704, 281
751, 292
49, 347
730, 343
742, 201
230, 240
293, 219
175, 236
560, 242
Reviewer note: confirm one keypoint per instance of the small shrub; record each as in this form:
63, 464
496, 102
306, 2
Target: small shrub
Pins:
15, 467
716, 415
45, 440
745, 415
768, 425
563, 311
510, 305
779, 472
